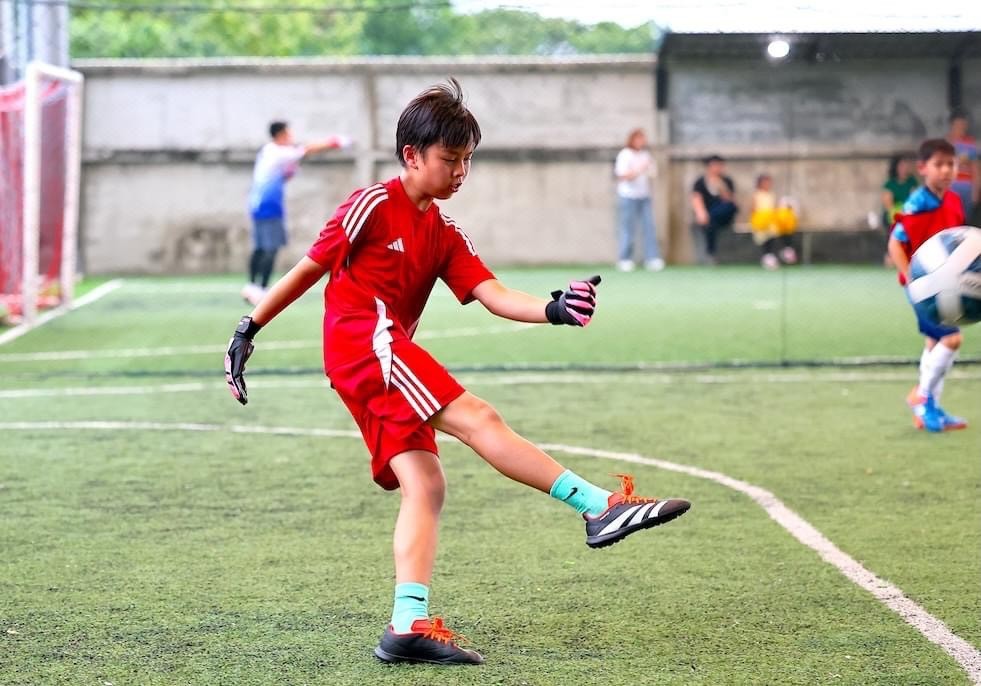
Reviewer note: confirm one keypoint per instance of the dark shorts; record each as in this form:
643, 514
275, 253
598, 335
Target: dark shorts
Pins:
934, 331
269, 234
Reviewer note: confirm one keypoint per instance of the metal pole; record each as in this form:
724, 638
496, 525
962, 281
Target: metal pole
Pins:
49, 28
27, 26
32, 191
6, 41
73, 164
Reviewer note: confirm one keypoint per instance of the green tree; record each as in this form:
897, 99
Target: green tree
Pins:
215, 28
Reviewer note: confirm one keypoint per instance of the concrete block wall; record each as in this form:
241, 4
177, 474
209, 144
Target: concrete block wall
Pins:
169, 147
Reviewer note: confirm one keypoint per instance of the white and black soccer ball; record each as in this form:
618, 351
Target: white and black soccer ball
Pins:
945, 277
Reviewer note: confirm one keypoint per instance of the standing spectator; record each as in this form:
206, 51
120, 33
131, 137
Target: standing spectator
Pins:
712, 201
634, 170
773, 225
967, 183
275, 164
895, 191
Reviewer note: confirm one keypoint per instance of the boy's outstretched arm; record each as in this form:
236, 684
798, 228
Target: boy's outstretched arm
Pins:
898, 255
291, 286
329, 143
294, 283
574, 307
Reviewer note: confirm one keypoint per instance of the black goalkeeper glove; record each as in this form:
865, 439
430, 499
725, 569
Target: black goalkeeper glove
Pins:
575, 306
239, 350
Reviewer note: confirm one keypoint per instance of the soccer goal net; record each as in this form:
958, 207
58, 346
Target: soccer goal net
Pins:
40, 156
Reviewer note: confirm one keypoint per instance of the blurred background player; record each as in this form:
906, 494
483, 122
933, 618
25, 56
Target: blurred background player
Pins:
276, 163
930, 209
712, 199
900, 184
967, 181
384, 248
634, 170
773, 225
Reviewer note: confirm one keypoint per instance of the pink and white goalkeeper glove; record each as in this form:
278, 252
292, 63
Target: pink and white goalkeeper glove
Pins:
575, 306
340, 141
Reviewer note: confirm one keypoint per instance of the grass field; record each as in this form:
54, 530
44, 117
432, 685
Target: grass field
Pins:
155, 532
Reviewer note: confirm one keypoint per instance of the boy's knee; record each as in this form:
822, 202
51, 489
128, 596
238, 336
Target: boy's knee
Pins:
433, 490
427, 485
953, 341
484, 415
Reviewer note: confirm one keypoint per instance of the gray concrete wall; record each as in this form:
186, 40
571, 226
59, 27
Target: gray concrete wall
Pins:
971, 73
863, 103
169, 146
825, 132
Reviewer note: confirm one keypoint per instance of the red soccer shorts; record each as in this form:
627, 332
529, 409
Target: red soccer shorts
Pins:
391, 393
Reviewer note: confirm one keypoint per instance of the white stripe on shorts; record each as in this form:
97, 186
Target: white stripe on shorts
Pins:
410, 397
407, 387
398, 363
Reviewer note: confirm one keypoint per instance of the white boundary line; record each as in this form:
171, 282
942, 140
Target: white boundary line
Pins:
932, 628
596, 378
167, 351
86, 299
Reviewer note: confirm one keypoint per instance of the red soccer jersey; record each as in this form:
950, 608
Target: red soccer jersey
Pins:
384, 255
920, 226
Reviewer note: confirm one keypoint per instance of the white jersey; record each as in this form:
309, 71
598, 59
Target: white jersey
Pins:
274, 165
630, 160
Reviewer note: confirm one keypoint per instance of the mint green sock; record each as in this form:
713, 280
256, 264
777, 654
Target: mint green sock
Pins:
578, 493
411, 603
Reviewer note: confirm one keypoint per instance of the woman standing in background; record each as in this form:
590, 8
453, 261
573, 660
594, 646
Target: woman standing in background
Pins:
634, 170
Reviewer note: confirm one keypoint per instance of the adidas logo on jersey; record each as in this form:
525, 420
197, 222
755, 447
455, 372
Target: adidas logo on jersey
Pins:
396, 245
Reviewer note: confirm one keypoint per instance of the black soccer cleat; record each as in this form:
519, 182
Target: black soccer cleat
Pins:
429, 641
628, 513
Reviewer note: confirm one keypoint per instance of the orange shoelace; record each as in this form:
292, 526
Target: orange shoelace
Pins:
438, 631
627, 489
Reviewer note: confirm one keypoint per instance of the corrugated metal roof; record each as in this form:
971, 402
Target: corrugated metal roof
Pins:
822, 47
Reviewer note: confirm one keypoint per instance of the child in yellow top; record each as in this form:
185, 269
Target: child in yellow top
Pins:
773, 225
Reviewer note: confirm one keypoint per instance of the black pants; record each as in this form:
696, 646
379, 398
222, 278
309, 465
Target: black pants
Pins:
712, 237
261, 266
774, 244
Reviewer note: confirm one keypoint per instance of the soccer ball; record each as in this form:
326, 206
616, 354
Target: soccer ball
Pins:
945, 277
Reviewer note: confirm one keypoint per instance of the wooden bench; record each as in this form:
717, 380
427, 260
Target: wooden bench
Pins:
805, 236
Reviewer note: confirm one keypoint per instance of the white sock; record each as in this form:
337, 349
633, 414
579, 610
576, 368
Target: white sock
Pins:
938, 388
924, 368
941, 357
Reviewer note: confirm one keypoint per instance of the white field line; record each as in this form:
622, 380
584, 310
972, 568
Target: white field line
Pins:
90, 297
932, 628
487, 380
169, 351
204, 287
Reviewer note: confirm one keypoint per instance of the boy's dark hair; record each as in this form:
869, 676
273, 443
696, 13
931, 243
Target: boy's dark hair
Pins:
959, 114
894, 163
934, 146
277, 127
713, 158
436, 116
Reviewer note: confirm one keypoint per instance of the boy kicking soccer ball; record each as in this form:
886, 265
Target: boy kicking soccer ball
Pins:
929, 210
384, 249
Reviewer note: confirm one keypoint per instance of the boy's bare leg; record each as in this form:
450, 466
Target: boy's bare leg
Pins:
609, 517
477, 423
412, 636
423, 488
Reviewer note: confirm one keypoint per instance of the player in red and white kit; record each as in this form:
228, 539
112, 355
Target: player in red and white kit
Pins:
384, 248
